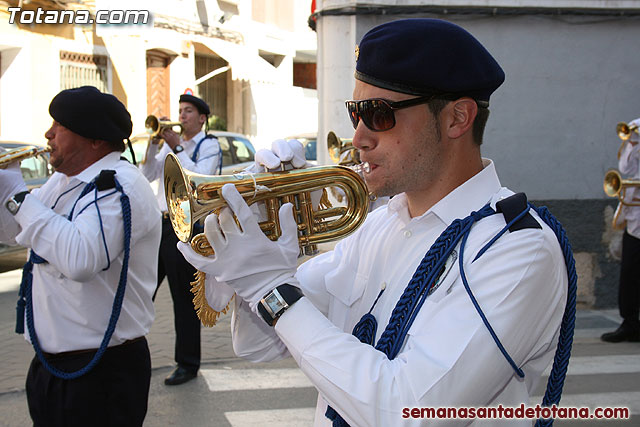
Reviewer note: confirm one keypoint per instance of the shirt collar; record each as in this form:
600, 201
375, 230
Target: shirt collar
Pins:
107, 162
196, 138
472, 195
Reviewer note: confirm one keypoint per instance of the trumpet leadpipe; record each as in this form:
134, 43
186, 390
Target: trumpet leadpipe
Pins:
19, 154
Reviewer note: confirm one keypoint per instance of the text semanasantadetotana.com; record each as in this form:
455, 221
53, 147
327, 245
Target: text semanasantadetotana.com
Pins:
519, 412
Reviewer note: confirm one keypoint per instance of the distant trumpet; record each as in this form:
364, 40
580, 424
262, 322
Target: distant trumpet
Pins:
625, 131
342, 151
156, 126
19, 154
615, 186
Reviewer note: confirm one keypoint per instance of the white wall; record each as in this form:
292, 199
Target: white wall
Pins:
569, 80
282, 111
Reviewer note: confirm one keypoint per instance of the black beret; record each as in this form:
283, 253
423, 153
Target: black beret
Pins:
425, 57
92, 114
202, 106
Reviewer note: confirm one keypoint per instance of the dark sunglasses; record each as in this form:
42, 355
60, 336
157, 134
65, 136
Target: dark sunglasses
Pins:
378, 114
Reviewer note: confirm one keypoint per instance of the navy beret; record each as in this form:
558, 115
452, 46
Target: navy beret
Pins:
202, 106
425, 57
92, 114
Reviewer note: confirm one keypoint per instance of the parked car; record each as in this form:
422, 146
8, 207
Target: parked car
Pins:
35, 171
237, 151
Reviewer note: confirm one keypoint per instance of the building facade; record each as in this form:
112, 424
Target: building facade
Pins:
253, 61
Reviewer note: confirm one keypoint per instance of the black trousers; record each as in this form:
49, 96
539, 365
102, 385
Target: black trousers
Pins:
629, 291
113, 393
180, 274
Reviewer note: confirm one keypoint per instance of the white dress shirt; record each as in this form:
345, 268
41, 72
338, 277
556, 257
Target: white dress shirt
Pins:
207, 162
629, 165
448, 357
72, 293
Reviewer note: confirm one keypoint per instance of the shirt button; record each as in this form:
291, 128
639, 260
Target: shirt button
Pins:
407, 233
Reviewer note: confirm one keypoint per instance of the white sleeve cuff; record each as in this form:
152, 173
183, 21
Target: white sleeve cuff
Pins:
297, 338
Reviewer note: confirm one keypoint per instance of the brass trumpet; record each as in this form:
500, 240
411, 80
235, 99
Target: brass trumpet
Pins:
624, 131
155, 126
192, 196
19, 154
615, 186
338, 147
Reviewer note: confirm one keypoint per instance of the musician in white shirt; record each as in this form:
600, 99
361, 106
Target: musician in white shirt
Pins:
197, 152
332, 310
93, 229
629, 286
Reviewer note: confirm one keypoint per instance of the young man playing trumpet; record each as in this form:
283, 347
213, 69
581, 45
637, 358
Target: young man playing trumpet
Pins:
197, 152
86, 295
451, 295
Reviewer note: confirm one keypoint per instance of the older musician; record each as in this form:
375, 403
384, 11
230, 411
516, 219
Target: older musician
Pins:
197, 152
377, 326
629, 286
85, 300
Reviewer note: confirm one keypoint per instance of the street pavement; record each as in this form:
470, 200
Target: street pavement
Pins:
232, 392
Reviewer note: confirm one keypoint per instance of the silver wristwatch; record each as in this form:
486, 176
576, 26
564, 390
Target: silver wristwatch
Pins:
276, 302
14, 202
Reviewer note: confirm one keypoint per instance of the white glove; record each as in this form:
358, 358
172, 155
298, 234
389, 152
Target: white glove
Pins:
281, 151
11, 182
245, 258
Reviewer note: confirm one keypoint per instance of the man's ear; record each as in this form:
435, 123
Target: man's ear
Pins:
462, 115
98, 144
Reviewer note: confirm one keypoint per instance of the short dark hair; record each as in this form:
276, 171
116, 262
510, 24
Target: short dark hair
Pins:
437, 105
117, 145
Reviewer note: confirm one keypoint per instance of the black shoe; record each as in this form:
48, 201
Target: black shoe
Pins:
623, 333
180, 376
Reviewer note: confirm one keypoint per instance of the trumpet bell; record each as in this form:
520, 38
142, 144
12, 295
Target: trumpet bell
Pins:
338, 147
624, 131
192, 196
615, 186
612, 183
155, 126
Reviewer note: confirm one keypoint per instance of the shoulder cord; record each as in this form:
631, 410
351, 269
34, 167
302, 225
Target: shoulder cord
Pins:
194, 156
27, 278
418, 288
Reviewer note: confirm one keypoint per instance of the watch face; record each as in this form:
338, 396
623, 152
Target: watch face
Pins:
12, 206
274, 302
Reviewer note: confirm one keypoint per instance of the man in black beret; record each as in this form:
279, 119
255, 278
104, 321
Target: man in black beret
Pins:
197, 152
86, 296
451, 295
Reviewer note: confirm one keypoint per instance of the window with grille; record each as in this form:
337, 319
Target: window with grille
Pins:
80, 69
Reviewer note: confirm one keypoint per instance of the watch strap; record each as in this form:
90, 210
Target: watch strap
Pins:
19, 197
288, 293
